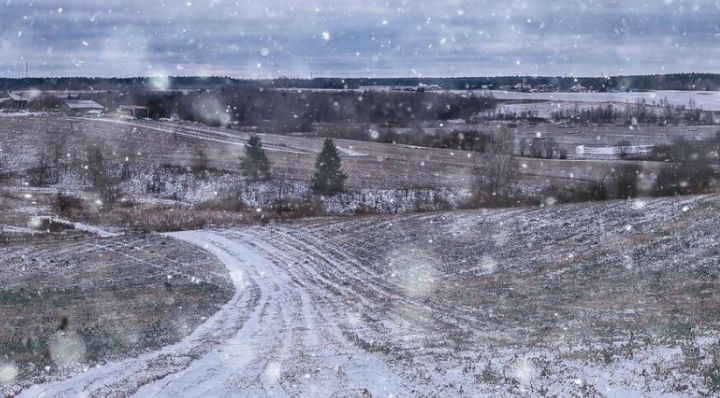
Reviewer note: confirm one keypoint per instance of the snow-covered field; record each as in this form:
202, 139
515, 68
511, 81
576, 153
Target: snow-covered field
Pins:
705, 100
614, 299
371, 165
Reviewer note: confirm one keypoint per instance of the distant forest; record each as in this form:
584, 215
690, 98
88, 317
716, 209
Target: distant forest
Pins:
684, 81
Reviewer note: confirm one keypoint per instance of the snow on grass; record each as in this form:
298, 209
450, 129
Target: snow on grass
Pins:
92, 229
705, 100
509, 302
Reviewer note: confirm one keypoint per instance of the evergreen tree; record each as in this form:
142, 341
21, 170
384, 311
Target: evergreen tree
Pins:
329, 178
255, 165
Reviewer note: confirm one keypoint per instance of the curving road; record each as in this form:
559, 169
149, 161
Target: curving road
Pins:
275, 337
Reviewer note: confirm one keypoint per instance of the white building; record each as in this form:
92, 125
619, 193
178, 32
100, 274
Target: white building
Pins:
82, 107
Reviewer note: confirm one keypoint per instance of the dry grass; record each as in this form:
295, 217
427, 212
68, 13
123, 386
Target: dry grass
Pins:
113, 297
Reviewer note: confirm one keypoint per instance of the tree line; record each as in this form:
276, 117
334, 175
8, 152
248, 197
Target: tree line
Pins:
687, 168
676, 81
290, 110
639, 113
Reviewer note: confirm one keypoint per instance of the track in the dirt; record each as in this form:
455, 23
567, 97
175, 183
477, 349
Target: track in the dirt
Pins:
275, 337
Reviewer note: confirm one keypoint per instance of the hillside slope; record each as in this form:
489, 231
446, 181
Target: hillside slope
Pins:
612, 299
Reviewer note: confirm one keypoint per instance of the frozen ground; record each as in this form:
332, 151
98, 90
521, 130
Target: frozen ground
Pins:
705, 100
370, 165
614, 299
73, 302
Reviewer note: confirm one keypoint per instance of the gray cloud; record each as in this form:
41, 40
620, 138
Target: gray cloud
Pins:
392, 38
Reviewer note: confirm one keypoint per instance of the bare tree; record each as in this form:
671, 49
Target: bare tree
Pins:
563, 153
42, 174
626, 178
537, 147
58, 151
496, 171
157, 184
103, 181
550, 147
623, 149
129, 153
201, 164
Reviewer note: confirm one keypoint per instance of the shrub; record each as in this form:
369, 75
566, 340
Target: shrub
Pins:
201, 164
625, 178
684, 178
68, 206
623, 149
594, 191
366, 210
231, 204
102, 177
480, 200
43, 174
294, 208
156, 185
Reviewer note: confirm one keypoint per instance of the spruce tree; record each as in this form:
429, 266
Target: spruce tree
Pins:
329, 178
255, 165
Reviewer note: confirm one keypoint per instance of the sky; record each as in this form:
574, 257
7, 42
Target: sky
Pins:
306, 38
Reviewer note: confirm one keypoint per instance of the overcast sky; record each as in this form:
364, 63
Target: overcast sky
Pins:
306, 38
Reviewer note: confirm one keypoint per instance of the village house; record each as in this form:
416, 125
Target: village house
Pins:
82, 107
136, 111
19, 99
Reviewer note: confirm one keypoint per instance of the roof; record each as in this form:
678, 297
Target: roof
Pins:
18, 96
83, 104
132, 107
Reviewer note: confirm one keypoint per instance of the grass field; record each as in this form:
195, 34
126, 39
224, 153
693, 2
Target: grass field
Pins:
369, 164
85, 300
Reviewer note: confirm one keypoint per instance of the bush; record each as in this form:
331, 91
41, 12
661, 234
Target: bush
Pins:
230, 204
594, 191
660, 153
156, 185
625, 178
201, 164
467, 140
479, 200
367, 210
41, 175
54, 226
684, 178
623, 149
69, 206
293, 208
102, 176
158, 107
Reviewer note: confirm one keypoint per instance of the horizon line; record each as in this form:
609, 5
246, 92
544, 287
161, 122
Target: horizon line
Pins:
358, 77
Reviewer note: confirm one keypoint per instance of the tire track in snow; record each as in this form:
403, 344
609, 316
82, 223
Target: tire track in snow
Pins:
272, 338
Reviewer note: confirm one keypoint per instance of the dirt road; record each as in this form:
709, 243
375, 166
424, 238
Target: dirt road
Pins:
270, 339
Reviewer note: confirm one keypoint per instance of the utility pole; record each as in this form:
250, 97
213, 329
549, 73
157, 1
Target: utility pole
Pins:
27, 70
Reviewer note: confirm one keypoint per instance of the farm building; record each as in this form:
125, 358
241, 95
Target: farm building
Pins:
135, 111
19, 99
82, 107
